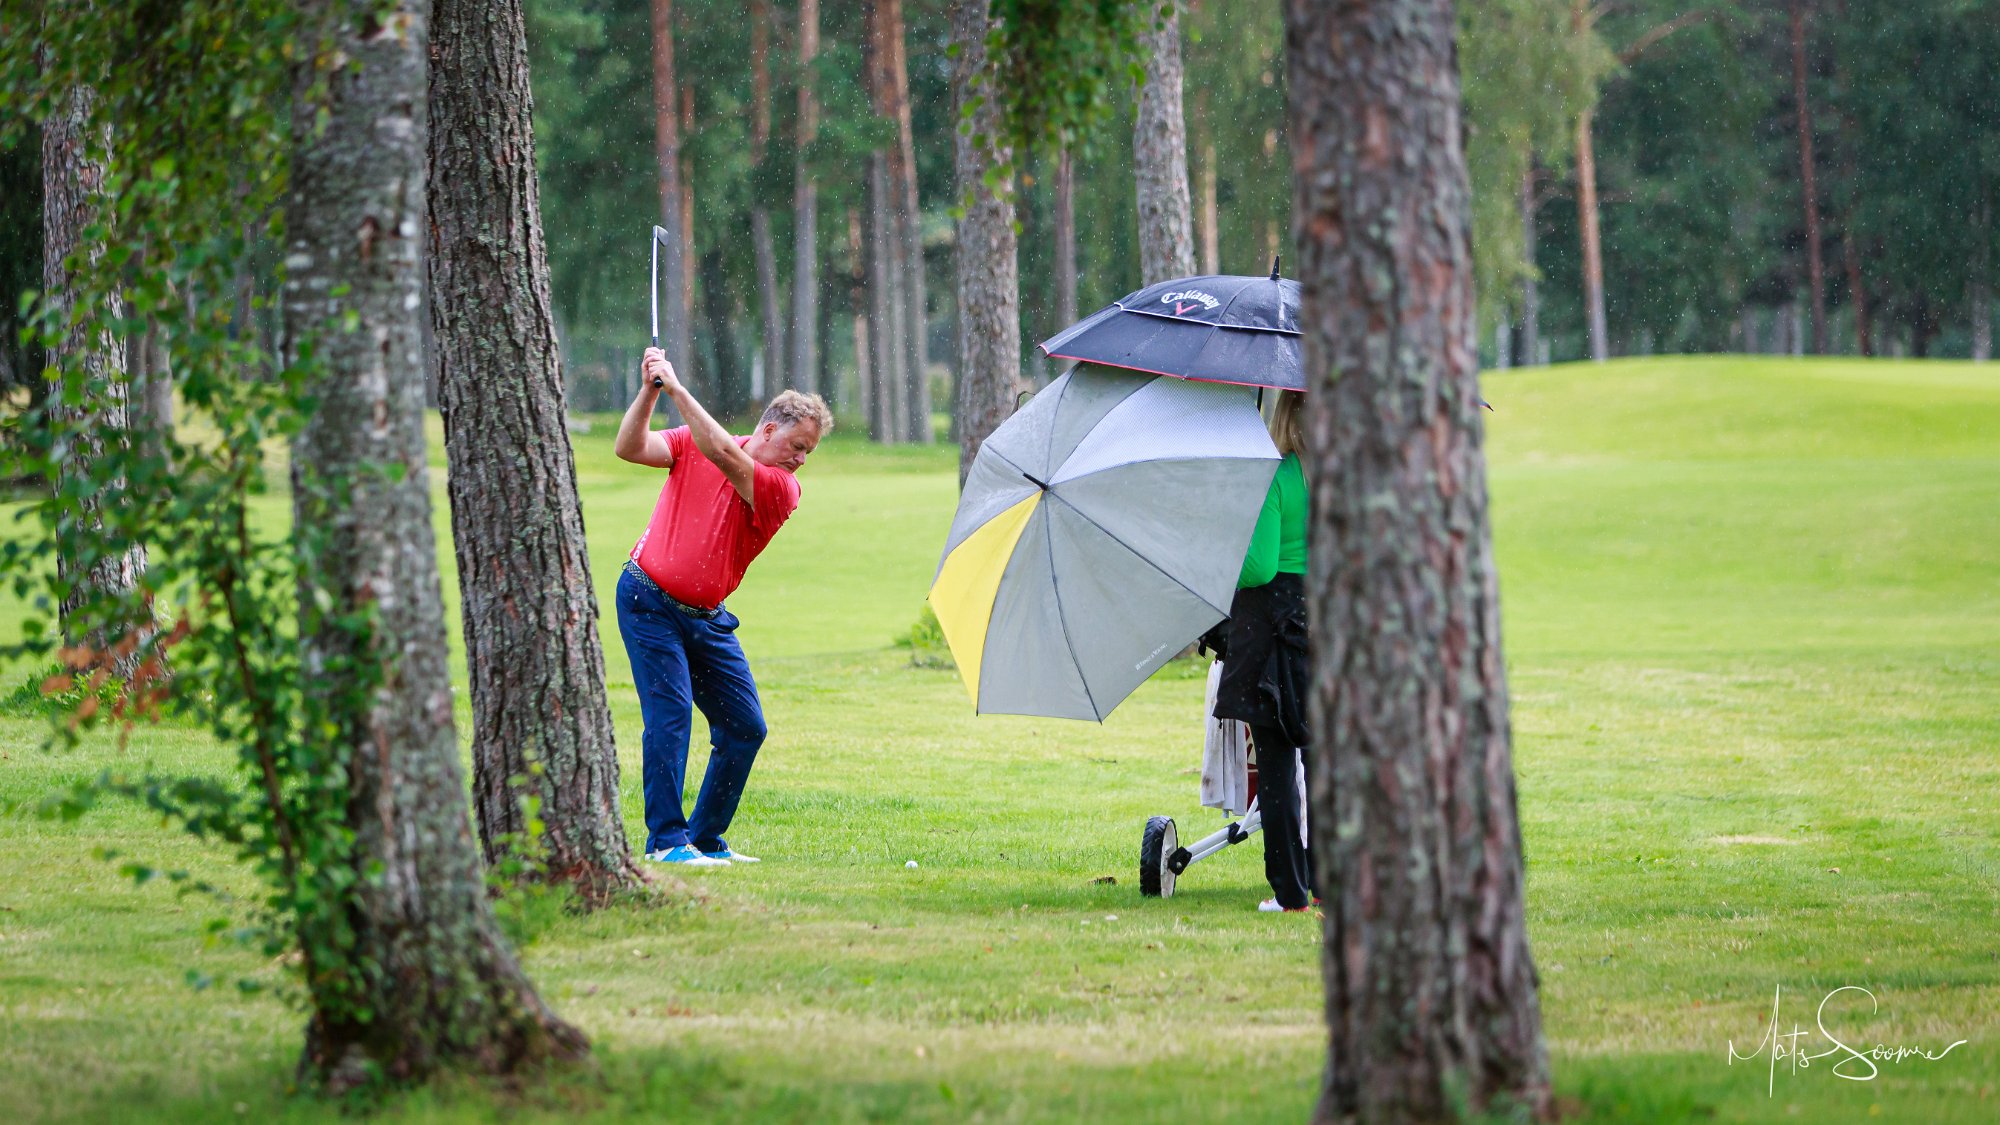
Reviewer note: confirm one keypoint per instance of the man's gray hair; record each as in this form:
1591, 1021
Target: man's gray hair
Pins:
793, 407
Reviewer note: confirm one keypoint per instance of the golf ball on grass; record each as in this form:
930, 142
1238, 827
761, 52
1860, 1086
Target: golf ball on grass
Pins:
912, 865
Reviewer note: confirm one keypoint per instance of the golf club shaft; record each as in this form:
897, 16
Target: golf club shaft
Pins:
654, 292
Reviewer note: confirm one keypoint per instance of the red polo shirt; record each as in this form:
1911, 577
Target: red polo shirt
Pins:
703, 536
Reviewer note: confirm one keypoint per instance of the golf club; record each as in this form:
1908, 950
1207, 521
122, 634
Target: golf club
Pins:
659, 236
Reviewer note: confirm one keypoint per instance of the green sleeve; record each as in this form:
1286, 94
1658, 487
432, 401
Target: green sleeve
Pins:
1260, 565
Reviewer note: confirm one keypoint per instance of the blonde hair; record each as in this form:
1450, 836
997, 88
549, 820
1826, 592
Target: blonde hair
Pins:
792, 407
1287, 428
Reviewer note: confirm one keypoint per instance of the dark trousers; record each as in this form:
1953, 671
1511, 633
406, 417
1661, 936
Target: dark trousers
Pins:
679, 662
1287, 863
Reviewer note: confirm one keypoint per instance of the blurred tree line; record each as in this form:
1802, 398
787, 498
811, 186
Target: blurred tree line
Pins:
1676, 125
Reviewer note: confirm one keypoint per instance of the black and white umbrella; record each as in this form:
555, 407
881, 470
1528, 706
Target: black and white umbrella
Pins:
1223, 328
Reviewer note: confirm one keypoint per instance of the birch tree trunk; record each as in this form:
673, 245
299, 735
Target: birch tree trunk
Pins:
804, 369
1430, 988
989, 291
434, 984
532, 646
770, 299
1159, 153
674, 332
72, 190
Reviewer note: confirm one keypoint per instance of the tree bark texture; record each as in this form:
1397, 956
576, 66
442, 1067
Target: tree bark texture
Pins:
1431, 991
770, 298
1808, 180
532, 646
805, 214
675, 336
989, 289
1065, 238
437, 985
1159, 152
72, 188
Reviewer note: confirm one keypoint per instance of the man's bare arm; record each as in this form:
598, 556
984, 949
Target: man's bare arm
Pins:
715, 443
637, 441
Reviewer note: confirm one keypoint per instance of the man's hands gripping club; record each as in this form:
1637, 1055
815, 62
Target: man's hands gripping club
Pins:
640, 444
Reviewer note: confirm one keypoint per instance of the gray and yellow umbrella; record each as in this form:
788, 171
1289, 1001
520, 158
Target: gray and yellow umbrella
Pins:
1100, 531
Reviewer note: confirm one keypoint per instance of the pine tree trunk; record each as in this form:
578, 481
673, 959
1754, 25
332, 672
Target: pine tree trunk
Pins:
1531, 285
1065, 224
989, 290
434, 984
885, 351
1431, 991
1593, 246
886, 303
910, 236
770, 300
804, 369
532, 651
1159, 153
688, 252
1980, 299
1211, 212
72, 183
674, 329
857, 308
1815, 271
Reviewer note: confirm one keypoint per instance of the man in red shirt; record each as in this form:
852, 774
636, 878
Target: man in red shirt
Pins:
724, 499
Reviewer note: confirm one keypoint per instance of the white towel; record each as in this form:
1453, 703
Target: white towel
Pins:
1225, 756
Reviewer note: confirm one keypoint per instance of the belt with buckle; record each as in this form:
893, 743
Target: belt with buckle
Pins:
632, 568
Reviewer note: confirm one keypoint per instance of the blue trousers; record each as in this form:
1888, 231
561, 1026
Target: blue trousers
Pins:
680, 661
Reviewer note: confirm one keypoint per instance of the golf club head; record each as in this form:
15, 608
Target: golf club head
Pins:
660, 235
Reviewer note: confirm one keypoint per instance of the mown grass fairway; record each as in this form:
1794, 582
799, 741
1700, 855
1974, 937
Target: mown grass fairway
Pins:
1750, 616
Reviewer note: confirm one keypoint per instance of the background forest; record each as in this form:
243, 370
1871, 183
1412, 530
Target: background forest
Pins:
1706, 238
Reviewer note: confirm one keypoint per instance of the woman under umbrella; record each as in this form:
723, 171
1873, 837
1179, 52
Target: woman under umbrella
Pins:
1267, 667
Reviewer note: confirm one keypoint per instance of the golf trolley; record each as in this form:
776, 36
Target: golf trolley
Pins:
1162, 858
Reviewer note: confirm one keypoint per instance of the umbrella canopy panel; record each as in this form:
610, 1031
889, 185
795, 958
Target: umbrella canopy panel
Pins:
1101, 530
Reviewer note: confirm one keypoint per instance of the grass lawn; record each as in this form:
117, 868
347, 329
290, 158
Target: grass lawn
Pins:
1750, 612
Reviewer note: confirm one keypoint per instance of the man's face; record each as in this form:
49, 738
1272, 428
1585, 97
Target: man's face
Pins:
786, 446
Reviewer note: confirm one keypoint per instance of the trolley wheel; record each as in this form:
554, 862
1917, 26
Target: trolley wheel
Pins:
1156, 847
